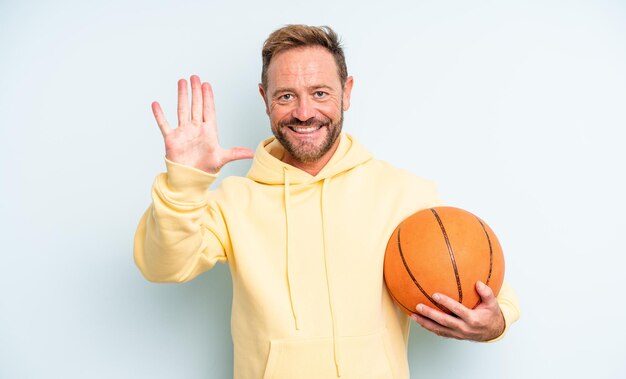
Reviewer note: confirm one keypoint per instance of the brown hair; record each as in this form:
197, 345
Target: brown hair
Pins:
294, 36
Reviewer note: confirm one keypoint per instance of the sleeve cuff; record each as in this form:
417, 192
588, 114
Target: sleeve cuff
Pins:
185, 184
509, 305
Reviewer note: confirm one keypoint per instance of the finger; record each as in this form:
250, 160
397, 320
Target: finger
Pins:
160, 119
237, 153
452, 305
439, 317
208, 104
196, 98
486, 294
434, 327
183, 102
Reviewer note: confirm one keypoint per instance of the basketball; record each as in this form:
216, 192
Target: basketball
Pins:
442, 250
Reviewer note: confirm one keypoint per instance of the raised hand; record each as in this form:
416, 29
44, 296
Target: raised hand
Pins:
483, 323
194, 142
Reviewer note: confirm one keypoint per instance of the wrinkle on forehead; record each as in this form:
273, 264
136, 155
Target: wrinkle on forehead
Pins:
303, 67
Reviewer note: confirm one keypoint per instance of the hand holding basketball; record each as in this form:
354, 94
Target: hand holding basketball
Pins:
483, 323
446, 262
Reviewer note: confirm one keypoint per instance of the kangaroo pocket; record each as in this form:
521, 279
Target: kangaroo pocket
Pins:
362, 357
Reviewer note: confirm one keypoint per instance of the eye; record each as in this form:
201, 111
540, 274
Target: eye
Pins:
319, 94
286, 97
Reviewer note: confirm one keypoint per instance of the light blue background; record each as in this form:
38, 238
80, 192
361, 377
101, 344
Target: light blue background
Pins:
517, 109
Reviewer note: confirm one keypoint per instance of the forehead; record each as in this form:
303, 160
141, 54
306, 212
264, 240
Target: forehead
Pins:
303, 66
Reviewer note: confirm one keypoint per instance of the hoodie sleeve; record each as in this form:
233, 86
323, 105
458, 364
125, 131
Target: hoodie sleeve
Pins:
509, 305
183, 232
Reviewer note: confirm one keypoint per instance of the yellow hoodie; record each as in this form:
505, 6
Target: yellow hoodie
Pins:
305, 254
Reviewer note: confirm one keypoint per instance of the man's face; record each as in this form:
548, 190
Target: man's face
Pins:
305, 102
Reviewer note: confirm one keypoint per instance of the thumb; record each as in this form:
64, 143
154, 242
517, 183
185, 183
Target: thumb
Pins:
237, 153
486, 294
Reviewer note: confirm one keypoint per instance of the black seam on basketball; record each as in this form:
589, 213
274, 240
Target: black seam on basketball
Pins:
490, 251
456, 271
408, 270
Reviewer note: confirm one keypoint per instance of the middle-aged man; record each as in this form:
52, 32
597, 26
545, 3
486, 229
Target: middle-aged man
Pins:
304, 232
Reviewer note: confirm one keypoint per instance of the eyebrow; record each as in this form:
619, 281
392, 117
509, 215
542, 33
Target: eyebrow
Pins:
289, 89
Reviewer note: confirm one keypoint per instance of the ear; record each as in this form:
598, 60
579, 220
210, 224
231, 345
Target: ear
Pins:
267, 104
347, 90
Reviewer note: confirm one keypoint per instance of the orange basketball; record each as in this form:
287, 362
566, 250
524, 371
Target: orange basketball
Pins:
445, 250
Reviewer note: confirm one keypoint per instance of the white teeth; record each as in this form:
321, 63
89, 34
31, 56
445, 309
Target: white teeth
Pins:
306, 130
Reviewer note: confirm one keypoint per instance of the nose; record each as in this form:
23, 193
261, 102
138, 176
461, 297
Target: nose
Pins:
304, 109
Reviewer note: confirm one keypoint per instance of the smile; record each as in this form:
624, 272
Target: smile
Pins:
304, 130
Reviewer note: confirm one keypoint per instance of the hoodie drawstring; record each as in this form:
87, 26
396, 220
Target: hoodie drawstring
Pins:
336, 354
329, 282
291, 302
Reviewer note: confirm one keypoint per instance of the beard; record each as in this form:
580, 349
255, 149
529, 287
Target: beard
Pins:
307, 151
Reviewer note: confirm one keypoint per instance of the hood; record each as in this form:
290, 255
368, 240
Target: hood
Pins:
267, 167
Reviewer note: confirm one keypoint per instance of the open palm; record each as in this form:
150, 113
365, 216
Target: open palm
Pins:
194, 142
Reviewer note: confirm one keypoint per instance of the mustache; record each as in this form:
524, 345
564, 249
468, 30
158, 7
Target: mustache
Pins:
313, 121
